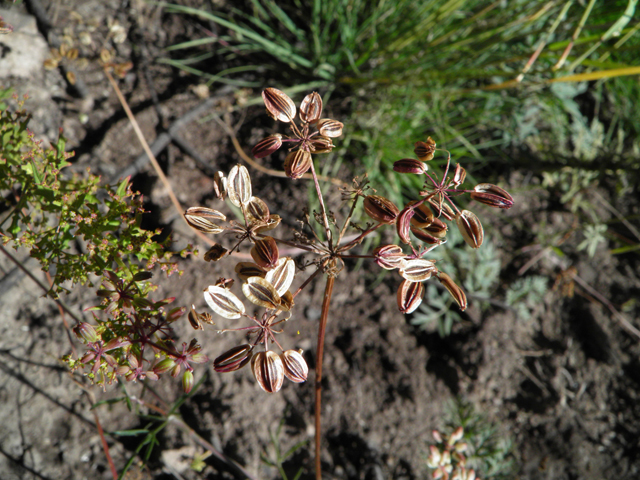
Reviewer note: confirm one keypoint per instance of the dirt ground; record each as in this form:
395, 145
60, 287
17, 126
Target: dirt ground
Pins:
564, 385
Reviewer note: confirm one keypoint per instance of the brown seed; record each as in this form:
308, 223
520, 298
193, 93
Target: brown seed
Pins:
442, 209
268, 371
423, 216
425, 236
330, 128
279, 105
418, 269
380, 209
215, 253
248, 269
459, 175
265, 252
492, 195
286, 301
311, 108
220, 185
260, 292
410, 165
425, 150
409, 296
267, 146
389, 257
321, 144
233, 359
257, 210
456, 292
297, 164
470, 228
295, 366
239, 185
202, 219
437, 228
403, 224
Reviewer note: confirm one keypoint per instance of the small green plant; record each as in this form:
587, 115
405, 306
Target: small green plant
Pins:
49, 211
276, 457
525, 294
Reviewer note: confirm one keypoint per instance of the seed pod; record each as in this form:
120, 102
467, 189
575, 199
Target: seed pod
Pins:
470, 228
297, 163
330, 128
220, 185
215, 253
403, 224
202, 219
281, 276
260, 292
239, 185
295, 366
279, 105
425, 150
267, 146
257, 210
248, 269
193, 319
187, 381
273, 222
492, 195
86, 333
268, 371
423, 216
286, 301
418, 270
459, 175
389, 257
233, 359
265, 252
410, 165
321, 144
311, 108
223, 302
456, 292
380, 209
442, 209
409, 296
437, 228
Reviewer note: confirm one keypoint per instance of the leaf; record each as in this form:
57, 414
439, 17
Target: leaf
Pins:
223, 302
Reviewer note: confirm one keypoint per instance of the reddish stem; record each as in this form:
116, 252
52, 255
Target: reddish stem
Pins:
328, 290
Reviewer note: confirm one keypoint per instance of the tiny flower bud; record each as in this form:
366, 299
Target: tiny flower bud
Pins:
330, 128
410, 165
470, 228
295, 366
297, 163
380, 209
456, 435
268, 371
187, 381
425, 150
409, 296
164, 366
85, 332
267, 146
311, 108
492, 195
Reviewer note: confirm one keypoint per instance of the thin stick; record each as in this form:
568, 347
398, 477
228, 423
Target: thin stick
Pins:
322, 208
328, 290
152, 158
575, 36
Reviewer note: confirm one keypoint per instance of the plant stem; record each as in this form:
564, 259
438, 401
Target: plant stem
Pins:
328, 290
